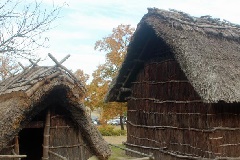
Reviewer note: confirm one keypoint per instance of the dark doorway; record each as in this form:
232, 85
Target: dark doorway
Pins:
30, 143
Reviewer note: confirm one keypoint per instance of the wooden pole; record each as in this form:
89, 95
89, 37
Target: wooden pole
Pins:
46, 137
13, 156
80, 141
59, 156
16, 146
37, 85
59, 64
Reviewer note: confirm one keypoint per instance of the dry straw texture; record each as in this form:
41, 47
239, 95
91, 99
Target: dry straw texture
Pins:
206, 48
28, 93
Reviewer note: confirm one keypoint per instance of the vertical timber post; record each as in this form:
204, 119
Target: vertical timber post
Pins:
46, 137
16, 146
81, 147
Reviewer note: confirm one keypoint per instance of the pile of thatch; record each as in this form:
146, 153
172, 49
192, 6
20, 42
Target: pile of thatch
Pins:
207, 49
27, 94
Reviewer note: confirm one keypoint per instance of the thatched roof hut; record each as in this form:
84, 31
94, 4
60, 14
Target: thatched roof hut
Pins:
181, 81
25, 101
206, 48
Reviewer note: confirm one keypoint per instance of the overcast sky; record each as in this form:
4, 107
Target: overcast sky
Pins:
83, 22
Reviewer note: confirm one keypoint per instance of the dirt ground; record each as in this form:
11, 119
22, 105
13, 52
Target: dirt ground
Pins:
115, 139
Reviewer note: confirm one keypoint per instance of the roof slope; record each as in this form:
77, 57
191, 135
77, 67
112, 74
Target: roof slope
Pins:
207, 49
28, 93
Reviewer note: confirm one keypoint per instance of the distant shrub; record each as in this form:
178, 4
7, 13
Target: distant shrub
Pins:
108, 130
120, 132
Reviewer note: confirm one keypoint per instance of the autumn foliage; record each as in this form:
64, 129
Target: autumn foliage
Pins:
80, 75
115, 47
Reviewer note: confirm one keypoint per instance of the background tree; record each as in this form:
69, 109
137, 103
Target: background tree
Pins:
115, 46
7, 65
80, 75
22, 24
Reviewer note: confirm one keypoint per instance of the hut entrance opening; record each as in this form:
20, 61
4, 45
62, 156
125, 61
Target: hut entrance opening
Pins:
51, 132
30, 143
31, 138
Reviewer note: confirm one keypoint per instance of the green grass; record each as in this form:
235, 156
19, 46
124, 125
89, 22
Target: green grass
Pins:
117, 152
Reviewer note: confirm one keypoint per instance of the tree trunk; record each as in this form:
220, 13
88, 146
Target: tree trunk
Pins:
121, 122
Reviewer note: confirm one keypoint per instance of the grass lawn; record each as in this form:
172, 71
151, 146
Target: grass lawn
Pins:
118, 154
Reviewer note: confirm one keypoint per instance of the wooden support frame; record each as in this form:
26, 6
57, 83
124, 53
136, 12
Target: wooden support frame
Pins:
13, 156
44, 71
21, 65
33, 64
134, 66
59, 64
16, 146
55, 60
19, 76
37, 85
57, 155
46, 136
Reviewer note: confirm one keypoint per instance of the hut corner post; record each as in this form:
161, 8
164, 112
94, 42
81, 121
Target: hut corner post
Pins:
16, 146
46, 137
15, 151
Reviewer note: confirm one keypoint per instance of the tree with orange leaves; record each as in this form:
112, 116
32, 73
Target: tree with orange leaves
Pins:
115, 47
80, 75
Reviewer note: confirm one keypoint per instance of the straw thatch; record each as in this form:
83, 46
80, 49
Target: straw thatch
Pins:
206, 48
25, 95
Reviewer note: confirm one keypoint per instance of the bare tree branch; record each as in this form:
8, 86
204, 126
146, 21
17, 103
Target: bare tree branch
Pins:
21, 30
22, 26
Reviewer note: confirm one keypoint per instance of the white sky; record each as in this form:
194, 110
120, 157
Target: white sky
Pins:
84, 22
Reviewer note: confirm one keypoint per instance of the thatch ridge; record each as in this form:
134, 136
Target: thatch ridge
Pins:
20, 102
206, 48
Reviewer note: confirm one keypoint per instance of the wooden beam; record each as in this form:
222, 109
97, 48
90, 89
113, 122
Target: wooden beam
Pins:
13, 156
46, 137
57, 155
34, 88
129, 74
17, 77
59, 64
45, 71
55, 60
16, 146
20, 64
34, 63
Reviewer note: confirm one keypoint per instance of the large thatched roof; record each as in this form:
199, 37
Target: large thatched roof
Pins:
207, 49
25, 95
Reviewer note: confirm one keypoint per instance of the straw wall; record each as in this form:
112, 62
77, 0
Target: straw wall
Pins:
166, 117
66, 140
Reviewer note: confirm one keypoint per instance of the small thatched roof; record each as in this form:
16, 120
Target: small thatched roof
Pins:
207, 49
25, 95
